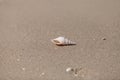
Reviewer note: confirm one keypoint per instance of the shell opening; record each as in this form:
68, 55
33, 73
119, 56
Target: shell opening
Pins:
56, 41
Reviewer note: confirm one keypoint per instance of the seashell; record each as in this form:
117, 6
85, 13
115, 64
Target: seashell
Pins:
61, 41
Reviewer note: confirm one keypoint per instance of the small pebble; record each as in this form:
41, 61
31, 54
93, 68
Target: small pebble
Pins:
69, 69
103, 38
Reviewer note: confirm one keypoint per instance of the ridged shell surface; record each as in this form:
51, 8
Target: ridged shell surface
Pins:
62, 41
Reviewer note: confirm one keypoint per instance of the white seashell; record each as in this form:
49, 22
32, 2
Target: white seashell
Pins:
61, 41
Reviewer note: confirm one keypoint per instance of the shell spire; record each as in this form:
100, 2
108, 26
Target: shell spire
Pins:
62, 41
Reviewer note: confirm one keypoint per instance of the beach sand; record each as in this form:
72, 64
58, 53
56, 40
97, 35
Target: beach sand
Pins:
27, 27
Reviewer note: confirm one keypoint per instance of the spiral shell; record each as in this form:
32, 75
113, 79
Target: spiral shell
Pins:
61, 41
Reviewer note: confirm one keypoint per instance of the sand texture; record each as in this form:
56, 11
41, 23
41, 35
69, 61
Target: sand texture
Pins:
27, 27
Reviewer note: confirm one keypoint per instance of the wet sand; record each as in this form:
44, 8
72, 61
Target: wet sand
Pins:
27, 26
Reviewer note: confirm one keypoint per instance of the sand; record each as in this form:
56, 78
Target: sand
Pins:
27, 26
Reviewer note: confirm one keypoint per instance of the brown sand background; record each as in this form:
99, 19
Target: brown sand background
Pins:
27, 26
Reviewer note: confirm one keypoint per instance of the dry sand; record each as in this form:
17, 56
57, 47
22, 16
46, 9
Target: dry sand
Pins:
26, 27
